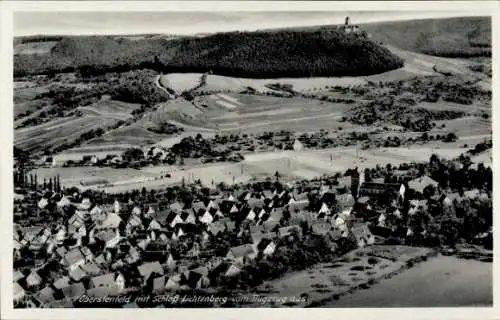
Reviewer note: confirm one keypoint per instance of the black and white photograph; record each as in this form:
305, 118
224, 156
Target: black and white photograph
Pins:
251, 159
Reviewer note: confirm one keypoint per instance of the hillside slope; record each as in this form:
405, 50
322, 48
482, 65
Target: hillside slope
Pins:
244, 54
452, 37
284, 54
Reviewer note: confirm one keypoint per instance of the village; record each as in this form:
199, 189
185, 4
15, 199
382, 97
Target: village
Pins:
70, 243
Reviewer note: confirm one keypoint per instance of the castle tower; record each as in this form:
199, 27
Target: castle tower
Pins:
347, 21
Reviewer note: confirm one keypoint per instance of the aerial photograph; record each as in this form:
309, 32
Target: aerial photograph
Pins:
290, 159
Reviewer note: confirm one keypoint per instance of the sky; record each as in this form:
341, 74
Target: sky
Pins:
183, 23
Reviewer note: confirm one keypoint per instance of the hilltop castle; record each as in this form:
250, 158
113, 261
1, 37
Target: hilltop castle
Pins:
347, 27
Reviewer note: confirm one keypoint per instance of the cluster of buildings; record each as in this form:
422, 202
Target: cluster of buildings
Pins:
152, 247
111, 249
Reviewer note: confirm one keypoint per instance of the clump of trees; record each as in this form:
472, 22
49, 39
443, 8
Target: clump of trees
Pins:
166, 128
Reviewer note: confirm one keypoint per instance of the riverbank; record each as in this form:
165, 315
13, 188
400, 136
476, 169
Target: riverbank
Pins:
444, 281
357, 270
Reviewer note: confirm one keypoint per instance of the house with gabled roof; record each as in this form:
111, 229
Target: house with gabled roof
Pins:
241, 254
73, 259
18, 292
176, 219
154, 225
77, 219
148, 268
362, 234
77, 274
230, 226
420, 183
188, 217
197, 207
61, 282
270, 225
321, 228
298, 206
112, 221
45, 296
176, 207
266, 246
110, 291
109, 237
216, 228
206, 218
289, 230
73, 290
232, 270
18, 275
255, 203
33, 279
91, 268
173, 282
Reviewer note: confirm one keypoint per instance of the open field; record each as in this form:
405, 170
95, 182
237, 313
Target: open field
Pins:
233, 84
29, 106
73, 176
466, 127
110, 109
255, 113
102, 114
291, 165
441, 282
34, 47
180, 82
57, 131
25, 94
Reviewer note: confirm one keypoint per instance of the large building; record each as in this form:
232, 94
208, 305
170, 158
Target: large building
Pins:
376, 189
348, 27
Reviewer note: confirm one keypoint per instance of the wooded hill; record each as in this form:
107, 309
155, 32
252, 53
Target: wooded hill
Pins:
239, 54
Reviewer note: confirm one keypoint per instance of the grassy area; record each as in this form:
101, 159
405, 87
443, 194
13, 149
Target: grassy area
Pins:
330, 281
440, 282
455, 37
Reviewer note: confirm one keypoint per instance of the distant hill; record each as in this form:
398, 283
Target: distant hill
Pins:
448, 37
451, 37
283, 54
242, 54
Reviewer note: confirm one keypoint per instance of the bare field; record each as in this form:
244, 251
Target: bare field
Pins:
450, 106
180, 82
34, 47
58, 131
290, 165
111, 109
102, 114
255, 113
468, 126
24, 94
74, 175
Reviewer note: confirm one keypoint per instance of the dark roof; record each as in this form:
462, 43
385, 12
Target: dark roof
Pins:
377, 188
264, 242
73, 290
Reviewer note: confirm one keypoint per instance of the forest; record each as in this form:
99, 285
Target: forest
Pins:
243, 54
